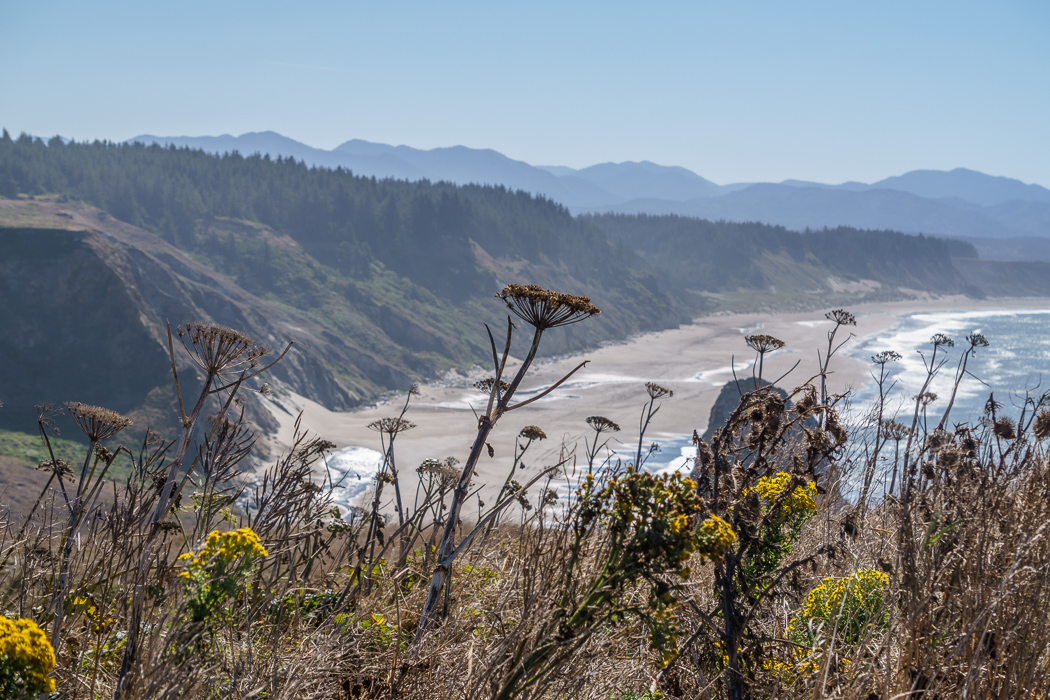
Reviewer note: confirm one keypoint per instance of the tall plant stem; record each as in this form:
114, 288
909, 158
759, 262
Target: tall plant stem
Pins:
485, 424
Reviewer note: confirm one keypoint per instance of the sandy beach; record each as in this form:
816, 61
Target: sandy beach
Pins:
694, 361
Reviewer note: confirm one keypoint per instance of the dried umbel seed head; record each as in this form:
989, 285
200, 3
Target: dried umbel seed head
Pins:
1041, 425
763, 343
97, 423
937, 439
807, 402
894, 430
1004, 428
153, 439
219, 349
886, 356
977, 340
444, 471
485, 386
533, 432
265, 390
656, 391
391, 426
59, 466
543, 308
841, 317
926, 398
941, 340
601, 424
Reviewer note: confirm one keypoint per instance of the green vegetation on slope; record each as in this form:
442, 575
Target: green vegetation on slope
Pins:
379, 283
30, 448
458, 243
712, 258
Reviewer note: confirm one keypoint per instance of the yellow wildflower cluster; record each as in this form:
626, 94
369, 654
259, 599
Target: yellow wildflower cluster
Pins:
714, 538
651, 525
849, 605
789, 673
100, 624
26, 657
801, 502
224, 547
213, 575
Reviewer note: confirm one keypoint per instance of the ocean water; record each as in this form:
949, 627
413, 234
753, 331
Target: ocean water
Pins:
353, 470
1016, 361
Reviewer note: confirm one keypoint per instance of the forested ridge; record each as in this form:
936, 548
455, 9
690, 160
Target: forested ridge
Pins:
420, 230
383, 282
722, 256
380, 282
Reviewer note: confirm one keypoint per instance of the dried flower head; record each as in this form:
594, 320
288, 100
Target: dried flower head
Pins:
265, 390
218, 349
445, 471
886, 356
533, 432
60, 466
1004, 428
894, 430
841, 317
763, 343
1041, 426
977, 340
485, 386
391, 426
153, 439
926, 398
601, 424
656, 391
940, 339
543, 308
97, 423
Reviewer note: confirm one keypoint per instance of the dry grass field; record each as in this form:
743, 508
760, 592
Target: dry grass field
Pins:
792, 563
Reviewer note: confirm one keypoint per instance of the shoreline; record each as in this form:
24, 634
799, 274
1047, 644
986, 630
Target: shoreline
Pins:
693, 360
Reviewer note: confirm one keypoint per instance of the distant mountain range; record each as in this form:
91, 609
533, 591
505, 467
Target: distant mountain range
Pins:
380, 283
959, 203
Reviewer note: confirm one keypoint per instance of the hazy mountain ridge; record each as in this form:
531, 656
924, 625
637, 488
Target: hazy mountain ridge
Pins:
380, 283
960, 202
819, 207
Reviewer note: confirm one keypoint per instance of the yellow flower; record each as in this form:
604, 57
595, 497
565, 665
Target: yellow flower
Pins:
802, 501
26, 657
850, 604
714, 537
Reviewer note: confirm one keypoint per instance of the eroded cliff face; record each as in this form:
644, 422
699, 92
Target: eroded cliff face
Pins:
85, 303
75, 330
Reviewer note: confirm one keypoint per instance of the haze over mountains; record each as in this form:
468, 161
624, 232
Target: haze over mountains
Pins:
959, 203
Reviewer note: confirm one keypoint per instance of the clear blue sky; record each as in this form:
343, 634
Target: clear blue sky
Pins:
737, 91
